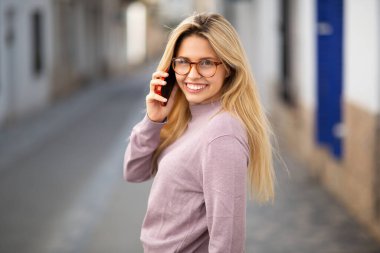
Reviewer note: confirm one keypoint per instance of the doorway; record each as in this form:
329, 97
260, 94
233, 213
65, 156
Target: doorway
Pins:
329, 130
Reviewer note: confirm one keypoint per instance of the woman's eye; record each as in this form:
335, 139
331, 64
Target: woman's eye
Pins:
206, 63
181, 61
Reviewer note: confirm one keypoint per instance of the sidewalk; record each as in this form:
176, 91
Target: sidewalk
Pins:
305, 218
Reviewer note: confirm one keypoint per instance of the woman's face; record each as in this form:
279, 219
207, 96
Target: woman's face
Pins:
199, 89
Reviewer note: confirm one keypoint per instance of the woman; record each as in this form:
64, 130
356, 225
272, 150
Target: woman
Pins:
201, 147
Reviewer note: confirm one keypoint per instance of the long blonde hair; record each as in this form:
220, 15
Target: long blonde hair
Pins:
239, 97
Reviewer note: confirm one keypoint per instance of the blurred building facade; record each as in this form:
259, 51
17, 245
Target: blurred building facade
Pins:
317, 66
50, 48
330, 97
25, 66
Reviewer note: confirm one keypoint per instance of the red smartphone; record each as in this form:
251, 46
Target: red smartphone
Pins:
166, 90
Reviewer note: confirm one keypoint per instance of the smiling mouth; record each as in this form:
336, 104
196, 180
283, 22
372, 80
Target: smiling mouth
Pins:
195, 87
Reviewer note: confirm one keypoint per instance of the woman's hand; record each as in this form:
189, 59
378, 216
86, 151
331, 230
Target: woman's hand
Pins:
154, 103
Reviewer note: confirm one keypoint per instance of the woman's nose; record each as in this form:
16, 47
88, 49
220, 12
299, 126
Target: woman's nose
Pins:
193, 72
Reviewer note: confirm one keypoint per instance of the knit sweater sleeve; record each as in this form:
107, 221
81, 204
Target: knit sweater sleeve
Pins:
224, 182
143, 141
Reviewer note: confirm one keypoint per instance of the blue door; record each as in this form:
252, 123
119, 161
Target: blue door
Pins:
329, 74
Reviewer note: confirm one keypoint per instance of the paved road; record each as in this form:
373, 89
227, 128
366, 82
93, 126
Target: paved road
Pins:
61, 188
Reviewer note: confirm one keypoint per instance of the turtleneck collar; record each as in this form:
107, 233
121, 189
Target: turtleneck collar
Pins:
200, 110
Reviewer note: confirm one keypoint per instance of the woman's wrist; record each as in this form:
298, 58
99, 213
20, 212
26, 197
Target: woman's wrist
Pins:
156, 120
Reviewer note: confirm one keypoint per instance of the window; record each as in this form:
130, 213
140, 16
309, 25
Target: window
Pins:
37, 43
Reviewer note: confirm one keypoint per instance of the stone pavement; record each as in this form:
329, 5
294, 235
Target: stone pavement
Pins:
304, 218
93, 210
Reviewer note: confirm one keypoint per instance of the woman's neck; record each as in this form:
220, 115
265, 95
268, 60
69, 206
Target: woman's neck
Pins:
200, 110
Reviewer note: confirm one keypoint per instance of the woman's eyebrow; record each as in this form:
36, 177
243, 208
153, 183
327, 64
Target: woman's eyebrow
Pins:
202, 58
182, 57
208, 58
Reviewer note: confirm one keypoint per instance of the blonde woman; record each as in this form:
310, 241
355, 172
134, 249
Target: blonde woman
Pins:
202, 146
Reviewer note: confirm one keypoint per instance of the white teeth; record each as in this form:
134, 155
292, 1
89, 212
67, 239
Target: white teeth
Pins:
195, 87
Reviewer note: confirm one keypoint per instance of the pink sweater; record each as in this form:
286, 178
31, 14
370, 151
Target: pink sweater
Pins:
197, 202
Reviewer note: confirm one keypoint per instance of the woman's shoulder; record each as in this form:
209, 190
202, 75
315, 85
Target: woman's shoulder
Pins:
226, 124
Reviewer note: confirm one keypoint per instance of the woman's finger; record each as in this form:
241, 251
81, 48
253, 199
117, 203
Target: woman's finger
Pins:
155, 82
159, 74
155, 97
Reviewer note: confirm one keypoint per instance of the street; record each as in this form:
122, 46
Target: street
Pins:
61, 186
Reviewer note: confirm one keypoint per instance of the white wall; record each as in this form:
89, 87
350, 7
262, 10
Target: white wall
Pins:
9, 57
136, 33
80, 44
216, 6
24, 91
362, 56
33, 91
175, 10
3, 86
114, 39
244, 24
258, 23
304, 51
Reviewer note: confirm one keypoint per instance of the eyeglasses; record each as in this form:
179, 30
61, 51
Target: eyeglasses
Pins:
205, 67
